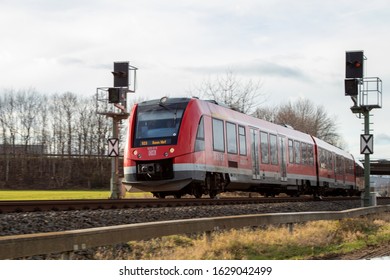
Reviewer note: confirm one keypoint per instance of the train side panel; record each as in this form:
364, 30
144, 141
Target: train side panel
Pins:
336, 171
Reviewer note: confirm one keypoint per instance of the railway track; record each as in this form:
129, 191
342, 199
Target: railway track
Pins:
93, 204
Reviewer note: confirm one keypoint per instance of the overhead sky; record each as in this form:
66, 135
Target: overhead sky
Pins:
296, 48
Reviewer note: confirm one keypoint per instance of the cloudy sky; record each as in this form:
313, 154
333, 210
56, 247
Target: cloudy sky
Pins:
296, 48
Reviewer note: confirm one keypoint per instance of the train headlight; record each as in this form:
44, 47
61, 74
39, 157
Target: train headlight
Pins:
166, 154
171, 150
135, 152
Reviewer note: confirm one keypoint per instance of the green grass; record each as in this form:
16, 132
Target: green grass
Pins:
60, 194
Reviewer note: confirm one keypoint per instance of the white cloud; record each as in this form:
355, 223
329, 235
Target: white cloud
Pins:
256, 67
382, 139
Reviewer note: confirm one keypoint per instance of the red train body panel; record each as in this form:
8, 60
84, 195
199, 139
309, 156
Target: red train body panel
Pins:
189, 146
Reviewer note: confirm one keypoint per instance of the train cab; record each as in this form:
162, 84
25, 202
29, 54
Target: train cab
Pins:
158, 145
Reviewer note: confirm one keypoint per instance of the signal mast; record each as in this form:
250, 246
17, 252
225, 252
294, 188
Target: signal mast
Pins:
112, 103
366, 94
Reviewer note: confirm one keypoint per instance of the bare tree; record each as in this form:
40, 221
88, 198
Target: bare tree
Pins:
28, 103
304, 116
68, 107
267, 113
42, 130
3, 118
238, 94
57, 125
8, 118
83, 128
62, 123
90, 129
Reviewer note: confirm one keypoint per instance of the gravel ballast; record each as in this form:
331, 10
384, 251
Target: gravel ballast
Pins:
37, 222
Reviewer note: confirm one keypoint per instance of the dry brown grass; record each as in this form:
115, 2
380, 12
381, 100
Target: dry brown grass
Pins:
307, 240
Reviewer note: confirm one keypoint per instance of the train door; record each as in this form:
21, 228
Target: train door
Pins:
283, 158
254, 136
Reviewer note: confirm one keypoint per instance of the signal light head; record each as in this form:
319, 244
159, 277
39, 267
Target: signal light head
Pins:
114, 95
354, 65
357, 64
121, 74
351, 87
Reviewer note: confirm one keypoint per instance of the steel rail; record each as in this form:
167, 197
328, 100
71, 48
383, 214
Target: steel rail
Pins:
9, 206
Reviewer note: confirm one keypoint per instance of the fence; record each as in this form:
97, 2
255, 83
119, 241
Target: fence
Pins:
35, 171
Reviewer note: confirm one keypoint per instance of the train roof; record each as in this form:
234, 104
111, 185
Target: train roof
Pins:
329, 147
359, 163
222, 111
165, 100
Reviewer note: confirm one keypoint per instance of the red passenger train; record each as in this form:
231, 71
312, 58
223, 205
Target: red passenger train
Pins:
178, 146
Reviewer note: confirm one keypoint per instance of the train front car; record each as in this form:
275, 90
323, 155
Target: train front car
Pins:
159, 144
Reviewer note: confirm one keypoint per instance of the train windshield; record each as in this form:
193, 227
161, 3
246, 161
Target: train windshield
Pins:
158, 123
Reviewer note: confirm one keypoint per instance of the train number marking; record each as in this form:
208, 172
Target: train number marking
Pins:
152, 151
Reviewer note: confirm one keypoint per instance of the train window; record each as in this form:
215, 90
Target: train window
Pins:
242, 139
290, 151
231, 138
327, 159
342, 166
304, 154
330, 160
218, 136
348, 166
273, 148
351, 167
297, 151
322, 158
158, 124
339, 165
310, 154
199, 142
264, 147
